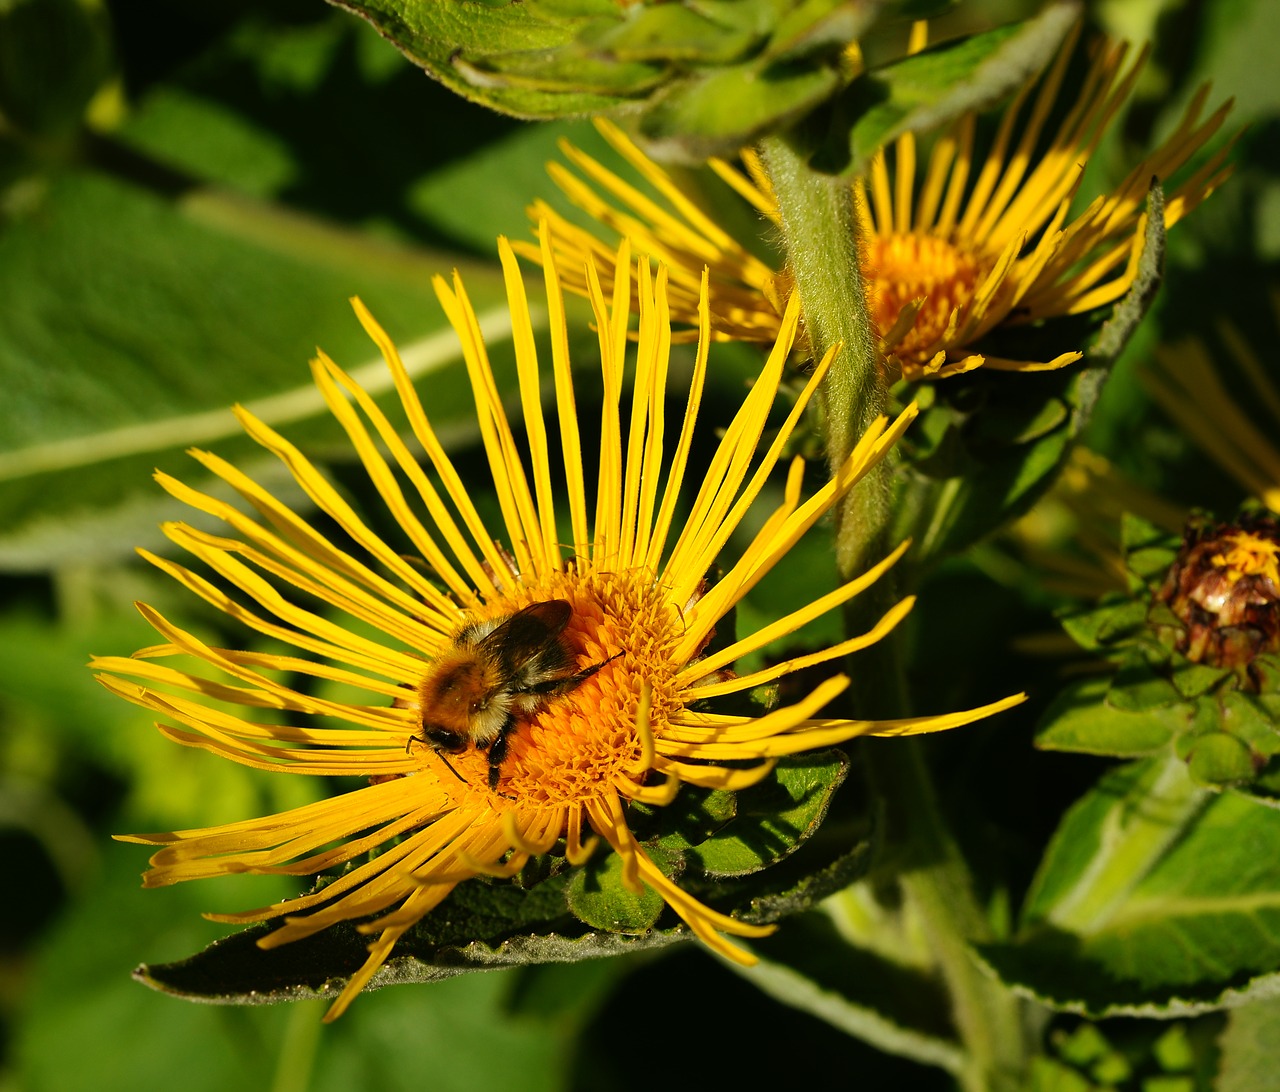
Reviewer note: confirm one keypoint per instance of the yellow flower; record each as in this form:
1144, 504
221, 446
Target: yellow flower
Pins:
1249, 554
1187, 384
951, 253
635, 576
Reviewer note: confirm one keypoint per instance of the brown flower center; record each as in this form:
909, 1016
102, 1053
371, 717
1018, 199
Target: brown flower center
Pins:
1224, 587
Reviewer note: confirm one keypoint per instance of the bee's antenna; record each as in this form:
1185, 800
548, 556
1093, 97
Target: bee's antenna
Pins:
455, 773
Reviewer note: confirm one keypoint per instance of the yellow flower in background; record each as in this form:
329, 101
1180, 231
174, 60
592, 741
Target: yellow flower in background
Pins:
1187, 384
1073, 533
1070, 540
626, 611
973, 242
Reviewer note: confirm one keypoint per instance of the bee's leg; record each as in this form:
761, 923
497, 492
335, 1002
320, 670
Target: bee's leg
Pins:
586, 673
439, 753
562, 684
498, 752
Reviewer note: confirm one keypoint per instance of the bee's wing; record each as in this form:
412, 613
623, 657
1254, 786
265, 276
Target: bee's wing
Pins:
528, 633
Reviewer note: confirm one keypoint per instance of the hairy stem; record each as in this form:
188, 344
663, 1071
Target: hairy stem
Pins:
820, 230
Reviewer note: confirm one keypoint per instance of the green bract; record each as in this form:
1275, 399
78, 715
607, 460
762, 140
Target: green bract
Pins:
706, 77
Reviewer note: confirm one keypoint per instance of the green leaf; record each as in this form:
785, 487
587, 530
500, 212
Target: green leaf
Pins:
1097, 628
463, 44
573, 914
519, 927
1252, 718
1193, 680
896, 1008
1155, 898
705, 77
714, 33
967, 482
80, 987
568, 72
1265, 787
761, 825
818, 26
598, 897
930, 88
133, 324
1248, 1049
1138, 689
721, 112
1081, 719
462, 1031
1219, 758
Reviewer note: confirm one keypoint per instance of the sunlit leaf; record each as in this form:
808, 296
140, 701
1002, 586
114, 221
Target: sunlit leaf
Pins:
930, 88
1155, 898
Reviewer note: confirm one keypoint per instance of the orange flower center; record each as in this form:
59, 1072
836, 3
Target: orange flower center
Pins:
571, 748
903, 268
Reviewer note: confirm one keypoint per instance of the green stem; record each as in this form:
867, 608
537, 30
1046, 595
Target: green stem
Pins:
299, 1044
934, 878
820, 230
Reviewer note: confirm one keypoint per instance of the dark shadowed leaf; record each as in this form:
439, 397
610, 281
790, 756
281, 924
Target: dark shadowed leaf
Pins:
575, 914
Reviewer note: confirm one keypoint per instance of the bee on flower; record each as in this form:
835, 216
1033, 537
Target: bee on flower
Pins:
521, 689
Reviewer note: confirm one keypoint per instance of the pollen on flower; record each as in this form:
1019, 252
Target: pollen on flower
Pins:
573, 749
903, 268
1250, 555
979, 239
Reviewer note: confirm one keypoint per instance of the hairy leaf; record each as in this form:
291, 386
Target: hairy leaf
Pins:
705, 77
569, 915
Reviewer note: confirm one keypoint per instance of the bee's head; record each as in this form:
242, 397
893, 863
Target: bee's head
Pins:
444, 739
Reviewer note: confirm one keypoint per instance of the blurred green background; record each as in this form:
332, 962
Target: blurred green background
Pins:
188, 195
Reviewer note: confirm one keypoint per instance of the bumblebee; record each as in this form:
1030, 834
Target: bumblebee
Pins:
495, 671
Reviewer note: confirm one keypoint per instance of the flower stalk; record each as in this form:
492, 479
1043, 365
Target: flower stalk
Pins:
822, 237
820, 232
